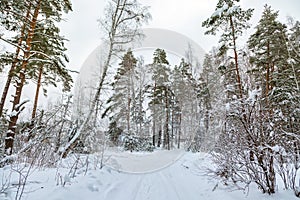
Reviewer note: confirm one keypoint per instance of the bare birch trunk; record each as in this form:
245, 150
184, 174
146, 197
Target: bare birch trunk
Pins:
64, 151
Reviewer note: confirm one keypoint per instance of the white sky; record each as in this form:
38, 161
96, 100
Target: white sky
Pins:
183, 16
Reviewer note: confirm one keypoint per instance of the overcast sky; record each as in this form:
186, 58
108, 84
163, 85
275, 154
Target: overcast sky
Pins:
183, 16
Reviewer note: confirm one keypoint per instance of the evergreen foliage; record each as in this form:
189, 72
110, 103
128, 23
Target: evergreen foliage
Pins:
259, 133
243, 107
122, 101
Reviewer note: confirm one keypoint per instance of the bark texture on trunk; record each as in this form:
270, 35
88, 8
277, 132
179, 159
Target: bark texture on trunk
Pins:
14, 63
37, 92
238, 77
16, 109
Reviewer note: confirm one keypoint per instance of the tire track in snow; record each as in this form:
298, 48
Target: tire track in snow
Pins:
183, 184
172, 183
112, 190
127, 189
169, 188
137, 188
119, 169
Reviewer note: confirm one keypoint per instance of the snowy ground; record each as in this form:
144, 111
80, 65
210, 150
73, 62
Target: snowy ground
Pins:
161, 175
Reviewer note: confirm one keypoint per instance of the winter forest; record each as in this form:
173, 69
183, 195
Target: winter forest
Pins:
227, 127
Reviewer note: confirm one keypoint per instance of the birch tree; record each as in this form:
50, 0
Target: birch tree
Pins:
120, 25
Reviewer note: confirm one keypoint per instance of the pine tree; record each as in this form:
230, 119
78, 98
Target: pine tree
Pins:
13, 13
184, 87
268, 51
138, 111
211, 97
294, 51
203, 95
285, 101
121, 102
50, 65
35, 10
159, 103
233, 21
270, 55
178, 87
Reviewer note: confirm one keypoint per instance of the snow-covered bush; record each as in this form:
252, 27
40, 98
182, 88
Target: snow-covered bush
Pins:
133, 143
287, 156
145, 145
114, 132
130, 143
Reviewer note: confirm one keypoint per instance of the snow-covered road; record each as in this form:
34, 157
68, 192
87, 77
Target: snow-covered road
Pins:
183, 179
173, 175
176, 182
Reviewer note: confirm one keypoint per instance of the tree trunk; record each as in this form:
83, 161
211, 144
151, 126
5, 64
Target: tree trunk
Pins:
179, 131
16, 109
172, 128
64, 151
140, 112
159, 138
238, 77
113, 31
37, 92
128, 104
154, 118
167, 138
63, 117
14, 63
272, 174
267, 165
267, 80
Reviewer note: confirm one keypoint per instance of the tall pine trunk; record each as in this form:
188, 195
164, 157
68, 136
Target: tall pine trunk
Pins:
14, 63
16, 108
238, 77
37, 92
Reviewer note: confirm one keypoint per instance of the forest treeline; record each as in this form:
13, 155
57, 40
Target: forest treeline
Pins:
244, 106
